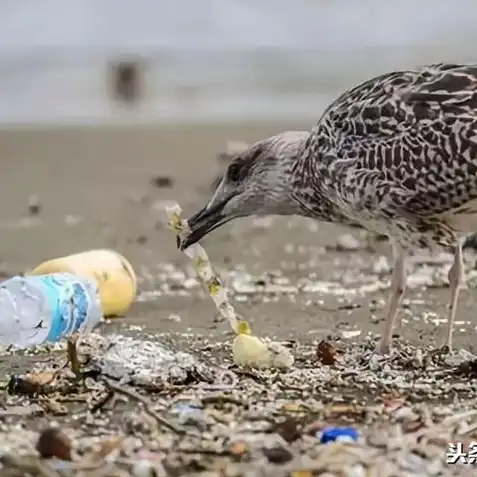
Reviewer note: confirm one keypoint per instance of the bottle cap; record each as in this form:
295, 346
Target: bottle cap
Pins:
332, 434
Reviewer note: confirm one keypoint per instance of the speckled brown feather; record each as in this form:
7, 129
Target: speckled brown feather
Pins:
398, 154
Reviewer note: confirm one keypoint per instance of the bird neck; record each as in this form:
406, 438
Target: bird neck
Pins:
312, 183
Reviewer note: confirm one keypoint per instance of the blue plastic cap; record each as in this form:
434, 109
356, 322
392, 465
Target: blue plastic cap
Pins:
332, 434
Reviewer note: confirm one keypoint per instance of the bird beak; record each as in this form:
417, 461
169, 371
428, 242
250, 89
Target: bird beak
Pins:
203, 222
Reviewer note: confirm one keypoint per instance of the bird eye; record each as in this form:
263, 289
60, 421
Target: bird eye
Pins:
233, 173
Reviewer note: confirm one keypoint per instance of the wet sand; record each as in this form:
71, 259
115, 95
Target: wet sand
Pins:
288, 276
94, 187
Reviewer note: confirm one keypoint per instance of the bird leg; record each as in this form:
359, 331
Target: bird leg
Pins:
456, 279
398, 286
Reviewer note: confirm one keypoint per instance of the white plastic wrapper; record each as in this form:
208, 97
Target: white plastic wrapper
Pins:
203, 267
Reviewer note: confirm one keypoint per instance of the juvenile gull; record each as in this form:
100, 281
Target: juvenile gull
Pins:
397, 155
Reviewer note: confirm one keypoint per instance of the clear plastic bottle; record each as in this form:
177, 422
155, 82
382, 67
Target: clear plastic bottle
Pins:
47, 308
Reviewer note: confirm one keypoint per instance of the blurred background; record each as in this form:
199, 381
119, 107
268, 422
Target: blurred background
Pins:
212, 60
101, 98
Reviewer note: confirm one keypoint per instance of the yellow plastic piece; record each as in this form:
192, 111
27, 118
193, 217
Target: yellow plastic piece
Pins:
243, 328
250, 351
116, 279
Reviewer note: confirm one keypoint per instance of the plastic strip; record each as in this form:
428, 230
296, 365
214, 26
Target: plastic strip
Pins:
204, 269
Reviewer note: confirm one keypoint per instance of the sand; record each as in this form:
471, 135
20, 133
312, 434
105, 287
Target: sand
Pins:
292, 279
94, 187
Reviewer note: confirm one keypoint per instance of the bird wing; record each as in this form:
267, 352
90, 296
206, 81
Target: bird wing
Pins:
411, 135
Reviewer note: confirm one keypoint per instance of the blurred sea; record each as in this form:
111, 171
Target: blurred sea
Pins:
214, 60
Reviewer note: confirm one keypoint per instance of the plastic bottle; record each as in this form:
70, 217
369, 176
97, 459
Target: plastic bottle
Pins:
115, 276
38, 309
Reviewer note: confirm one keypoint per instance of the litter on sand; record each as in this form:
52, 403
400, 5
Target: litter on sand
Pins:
296, 423
203, 267
251, 351
47, 308
114, 275
248, 350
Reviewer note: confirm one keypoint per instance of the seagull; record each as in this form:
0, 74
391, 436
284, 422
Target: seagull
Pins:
396, 155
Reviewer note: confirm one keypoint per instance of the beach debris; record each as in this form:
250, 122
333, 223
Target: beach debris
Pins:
72, 355
173, 317
467, 368
326, 353
289, 430
113, 274
239, 448
34, 205
53, 442
162, 182
234, 422
278, 454
347, 243
72, 220
333, 434
248, 350
108, 451
470, 242
204, 269
251, 351
348, 334
31, 384
148, 464
297, 421
143, 362
47, 308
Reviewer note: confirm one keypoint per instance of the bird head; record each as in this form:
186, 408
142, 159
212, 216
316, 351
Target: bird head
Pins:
257, 182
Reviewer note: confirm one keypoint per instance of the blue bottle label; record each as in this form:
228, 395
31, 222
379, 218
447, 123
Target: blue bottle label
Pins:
69, 301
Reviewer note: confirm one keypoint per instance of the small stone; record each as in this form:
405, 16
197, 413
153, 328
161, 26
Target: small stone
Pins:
347, 242
348, 334
162, 182
405, 414
278, 455
357, 471
381, 266
54, 443
141, 239
239, 449
175, 318
288, 430
471, 242
34, 205
72, 220
142, 468
326, 353
461, 357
